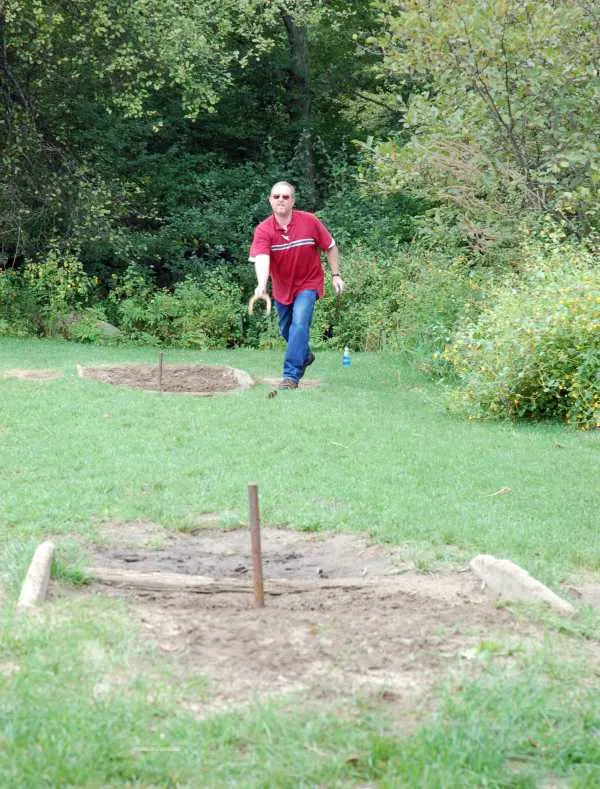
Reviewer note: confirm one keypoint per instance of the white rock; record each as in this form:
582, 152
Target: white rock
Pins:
512, 582
35, 585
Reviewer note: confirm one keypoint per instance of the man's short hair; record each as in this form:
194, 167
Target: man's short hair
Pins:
290, 186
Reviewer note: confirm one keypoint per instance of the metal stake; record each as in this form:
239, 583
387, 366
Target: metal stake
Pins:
257, 569
160, 371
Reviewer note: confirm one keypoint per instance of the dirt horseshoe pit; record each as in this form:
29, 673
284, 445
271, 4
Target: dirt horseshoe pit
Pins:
342, 616
196, 379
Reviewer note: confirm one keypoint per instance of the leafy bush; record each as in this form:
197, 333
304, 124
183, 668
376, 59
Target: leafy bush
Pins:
40, 298
379, 222
182, 214
210, 312
90, 325
16, 306
58, 285
409, 302
534, 353
204, 313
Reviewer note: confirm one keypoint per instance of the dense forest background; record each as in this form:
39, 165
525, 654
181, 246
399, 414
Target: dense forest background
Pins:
452, 149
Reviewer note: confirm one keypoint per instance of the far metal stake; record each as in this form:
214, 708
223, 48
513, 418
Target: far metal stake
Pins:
257, 569
160, 371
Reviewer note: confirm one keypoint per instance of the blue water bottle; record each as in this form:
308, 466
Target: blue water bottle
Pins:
346, 357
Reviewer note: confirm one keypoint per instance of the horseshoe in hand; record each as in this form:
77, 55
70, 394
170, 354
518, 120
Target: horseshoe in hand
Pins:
267, 300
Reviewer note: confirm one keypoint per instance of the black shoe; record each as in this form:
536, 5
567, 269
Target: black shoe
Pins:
288, 383
308, 361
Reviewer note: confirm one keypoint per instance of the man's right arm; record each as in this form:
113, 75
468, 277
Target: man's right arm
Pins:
261, 267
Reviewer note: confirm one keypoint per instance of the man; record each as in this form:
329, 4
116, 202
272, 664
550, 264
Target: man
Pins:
287, 247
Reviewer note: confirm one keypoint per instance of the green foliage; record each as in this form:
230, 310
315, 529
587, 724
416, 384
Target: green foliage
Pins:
195, 314
44, 295
58, 282
87, 326
500, 112
408, 302
210, 209
534, 352
384, 223
105, 106
17, 306
116, 144
144, 139
127, 53
81, 81
210, 312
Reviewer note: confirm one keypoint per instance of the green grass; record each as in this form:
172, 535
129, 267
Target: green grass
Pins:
105, 713
372, 450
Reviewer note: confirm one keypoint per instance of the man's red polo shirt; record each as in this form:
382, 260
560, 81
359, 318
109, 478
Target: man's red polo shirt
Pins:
295, 259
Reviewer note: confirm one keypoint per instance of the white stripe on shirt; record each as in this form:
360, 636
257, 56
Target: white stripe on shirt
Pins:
302, 242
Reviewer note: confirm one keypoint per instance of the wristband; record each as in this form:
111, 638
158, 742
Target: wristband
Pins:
336, 275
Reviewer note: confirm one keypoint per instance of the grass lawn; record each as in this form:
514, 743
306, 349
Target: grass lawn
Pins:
372, 450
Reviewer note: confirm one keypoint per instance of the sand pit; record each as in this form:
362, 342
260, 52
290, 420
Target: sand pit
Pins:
354, 617
197, 379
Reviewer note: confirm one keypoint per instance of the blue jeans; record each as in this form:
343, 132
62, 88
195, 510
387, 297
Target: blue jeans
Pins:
294, 327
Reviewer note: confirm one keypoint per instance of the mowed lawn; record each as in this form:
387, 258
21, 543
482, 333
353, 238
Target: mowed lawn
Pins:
373, 449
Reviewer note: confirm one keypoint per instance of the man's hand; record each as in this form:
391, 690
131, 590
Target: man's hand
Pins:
257, 296
260, 291
338, 284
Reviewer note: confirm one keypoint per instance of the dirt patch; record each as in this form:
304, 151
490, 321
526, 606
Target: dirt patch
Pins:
393, 631
586, 592
198, 379
32, 375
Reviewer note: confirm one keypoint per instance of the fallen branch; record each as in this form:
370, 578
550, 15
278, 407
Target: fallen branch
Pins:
203, 584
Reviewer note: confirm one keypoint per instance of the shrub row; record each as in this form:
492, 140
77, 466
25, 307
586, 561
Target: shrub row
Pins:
527, 345
56, 297
405, 302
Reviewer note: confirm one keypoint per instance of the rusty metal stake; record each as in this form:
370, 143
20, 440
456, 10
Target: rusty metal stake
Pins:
257, 568
160, 371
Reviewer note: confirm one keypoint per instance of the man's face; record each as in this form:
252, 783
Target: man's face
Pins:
281, 199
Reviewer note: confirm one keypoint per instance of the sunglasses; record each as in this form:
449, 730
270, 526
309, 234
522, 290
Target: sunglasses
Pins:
283, 197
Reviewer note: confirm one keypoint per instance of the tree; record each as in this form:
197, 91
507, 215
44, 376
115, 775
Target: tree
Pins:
74, 72
502, 118
147, 132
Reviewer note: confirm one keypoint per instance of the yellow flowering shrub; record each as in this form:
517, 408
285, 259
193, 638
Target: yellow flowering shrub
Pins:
534, 353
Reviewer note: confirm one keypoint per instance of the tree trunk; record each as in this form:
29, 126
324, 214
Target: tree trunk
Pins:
299, 103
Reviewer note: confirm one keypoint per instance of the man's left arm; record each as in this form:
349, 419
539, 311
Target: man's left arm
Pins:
333, 256
327, 243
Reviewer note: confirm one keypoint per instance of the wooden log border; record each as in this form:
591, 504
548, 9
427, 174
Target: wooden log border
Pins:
203, 584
